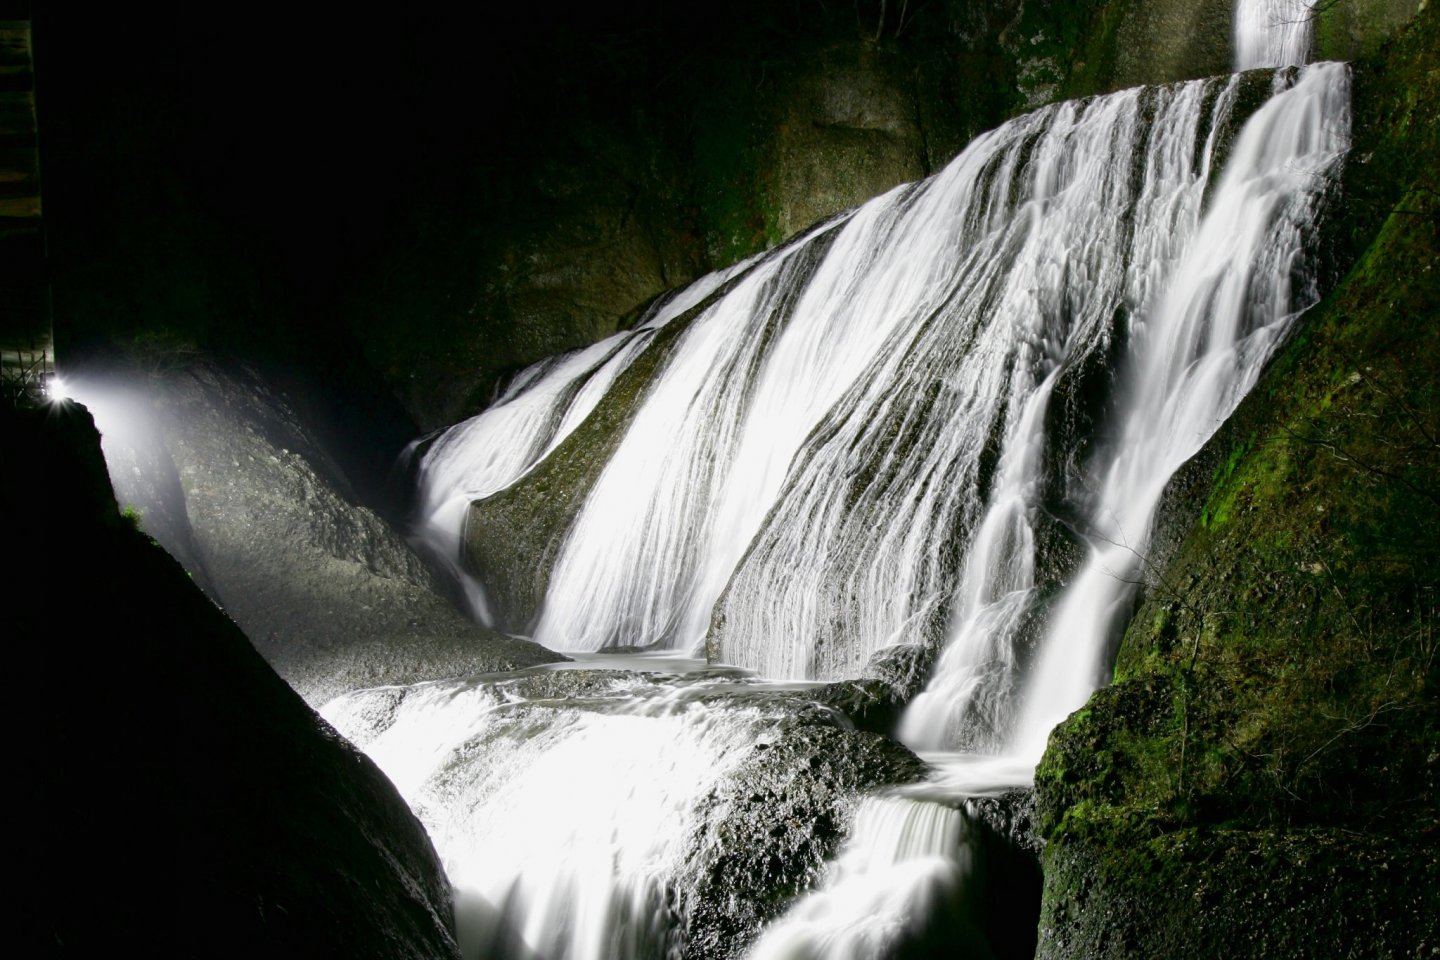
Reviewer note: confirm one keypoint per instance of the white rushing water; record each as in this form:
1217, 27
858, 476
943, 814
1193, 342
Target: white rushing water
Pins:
854, 401
1227, 305
1273, 33
563, 826
1235, 284
540, 408
908, 860
1223, 299
943, 419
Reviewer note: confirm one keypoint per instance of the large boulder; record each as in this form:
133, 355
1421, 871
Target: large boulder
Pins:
223, 472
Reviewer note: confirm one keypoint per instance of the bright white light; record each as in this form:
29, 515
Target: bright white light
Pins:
56, 389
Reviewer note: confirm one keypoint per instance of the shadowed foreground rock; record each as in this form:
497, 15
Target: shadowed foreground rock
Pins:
180, 800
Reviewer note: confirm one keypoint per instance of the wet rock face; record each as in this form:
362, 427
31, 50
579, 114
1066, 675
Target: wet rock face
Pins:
1165, 40
168, 757
891, 679
223, 473
848, 130
766, 832
1011, 816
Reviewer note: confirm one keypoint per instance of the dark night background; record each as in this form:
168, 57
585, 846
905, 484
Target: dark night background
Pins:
279, 184
303, 134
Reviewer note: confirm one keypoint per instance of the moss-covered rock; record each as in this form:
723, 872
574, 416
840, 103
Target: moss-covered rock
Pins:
1349, 29
1223, 893
1262, 773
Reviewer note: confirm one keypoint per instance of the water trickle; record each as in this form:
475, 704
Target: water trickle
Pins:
909, 860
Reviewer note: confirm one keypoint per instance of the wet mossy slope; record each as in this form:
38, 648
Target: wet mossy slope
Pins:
1260, 780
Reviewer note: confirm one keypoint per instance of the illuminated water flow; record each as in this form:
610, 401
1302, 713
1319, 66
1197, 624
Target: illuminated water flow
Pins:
907, 859
942, 419
1223, 293
565, 813
538, 410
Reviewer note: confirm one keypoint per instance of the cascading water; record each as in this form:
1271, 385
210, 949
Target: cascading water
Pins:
1224, 287
942, 419
540, 408
542, 868
1273, 33
909, 858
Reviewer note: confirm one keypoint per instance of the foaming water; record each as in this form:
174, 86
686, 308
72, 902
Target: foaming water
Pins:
564, 819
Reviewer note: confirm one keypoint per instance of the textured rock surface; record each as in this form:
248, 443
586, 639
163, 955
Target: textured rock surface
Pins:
1011, 816
1332, 893
225, 475
227, 819
767, 831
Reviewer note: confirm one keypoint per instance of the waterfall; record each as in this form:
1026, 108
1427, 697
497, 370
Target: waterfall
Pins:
1235, 283
1224, 293
919, 493
833, 421
1273, 33
942, 419
1229, 302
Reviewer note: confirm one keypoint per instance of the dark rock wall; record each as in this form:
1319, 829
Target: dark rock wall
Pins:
447, 202
175, 798
421, 211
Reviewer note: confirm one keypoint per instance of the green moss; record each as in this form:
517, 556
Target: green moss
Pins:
1346, 29
1238, 893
